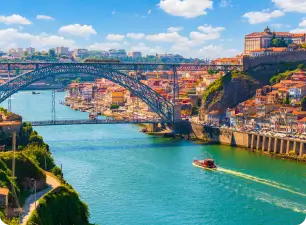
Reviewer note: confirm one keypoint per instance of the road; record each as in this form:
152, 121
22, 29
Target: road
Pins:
29, 205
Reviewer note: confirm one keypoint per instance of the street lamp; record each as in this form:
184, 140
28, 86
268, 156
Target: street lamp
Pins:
32, 179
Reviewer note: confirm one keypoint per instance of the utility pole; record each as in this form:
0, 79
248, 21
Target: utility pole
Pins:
14, 150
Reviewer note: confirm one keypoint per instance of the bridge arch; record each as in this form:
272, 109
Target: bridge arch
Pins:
155, 101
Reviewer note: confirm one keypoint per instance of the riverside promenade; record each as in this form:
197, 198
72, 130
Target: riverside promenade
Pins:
266, 143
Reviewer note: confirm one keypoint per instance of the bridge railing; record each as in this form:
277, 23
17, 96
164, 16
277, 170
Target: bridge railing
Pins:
96, 121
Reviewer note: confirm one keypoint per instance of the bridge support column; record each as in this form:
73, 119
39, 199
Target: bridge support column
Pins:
263, 143
281, 147
177, 113
252, 142
288, 146
275, 145
152, 127
269, 144
294, 147
257, 143
301, 149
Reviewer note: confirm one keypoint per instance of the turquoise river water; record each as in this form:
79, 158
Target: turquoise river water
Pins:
127, 177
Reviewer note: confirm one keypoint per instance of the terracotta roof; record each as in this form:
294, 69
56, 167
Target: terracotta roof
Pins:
4, 191
303, 120
278, 85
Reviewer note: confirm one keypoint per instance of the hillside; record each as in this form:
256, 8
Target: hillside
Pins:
236, 87
228, 91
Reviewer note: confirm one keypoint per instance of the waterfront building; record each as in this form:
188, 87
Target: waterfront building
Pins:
169, 57
263, 40
80, 52
135, 55
62, 50
15, 53
30, 51
117, 53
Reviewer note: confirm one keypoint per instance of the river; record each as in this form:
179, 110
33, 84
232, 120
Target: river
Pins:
127, 177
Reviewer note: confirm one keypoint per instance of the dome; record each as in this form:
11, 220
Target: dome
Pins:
267, 30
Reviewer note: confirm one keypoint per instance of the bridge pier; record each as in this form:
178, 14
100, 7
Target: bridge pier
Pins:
152, 127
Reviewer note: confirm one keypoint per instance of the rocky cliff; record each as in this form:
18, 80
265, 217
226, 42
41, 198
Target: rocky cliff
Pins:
228, 91
236, 87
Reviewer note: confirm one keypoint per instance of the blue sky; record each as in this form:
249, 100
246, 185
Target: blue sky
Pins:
193, 28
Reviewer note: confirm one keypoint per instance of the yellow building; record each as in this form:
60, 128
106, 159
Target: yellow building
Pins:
118, 97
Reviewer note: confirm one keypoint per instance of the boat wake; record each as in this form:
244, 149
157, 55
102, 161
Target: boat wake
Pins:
260, 180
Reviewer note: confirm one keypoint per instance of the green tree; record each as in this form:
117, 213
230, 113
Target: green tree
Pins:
287, 101
114, 106
211, 72
35, 138
303, 104
301, 66
52, 53
279, 42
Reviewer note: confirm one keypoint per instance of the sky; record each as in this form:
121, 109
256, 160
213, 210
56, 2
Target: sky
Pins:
205, 29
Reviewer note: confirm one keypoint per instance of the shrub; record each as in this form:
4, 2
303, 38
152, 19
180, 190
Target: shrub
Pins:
53, 208
114, 106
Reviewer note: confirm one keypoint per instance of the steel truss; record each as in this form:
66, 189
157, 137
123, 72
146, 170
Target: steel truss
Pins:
114, 72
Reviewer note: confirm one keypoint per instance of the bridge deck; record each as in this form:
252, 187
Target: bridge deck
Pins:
97, 121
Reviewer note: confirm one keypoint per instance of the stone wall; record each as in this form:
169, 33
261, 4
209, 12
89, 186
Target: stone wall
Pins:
293, 56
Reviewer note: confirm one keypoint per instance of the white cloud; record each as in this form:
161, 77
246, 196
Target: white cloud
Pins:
291, 5
44, 17
13, 36
201, 37
165, 37
206, 52
150, 11
14, 19
104, 46
78, 30
216, 51
136, 36
186, 8
207, 33
115, 37
299, 30
175, 29
264, 16
209, 29
303, 23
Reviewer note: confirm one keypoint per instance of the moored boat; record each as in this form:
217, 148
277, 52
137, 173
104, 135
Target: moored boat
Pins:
205, 164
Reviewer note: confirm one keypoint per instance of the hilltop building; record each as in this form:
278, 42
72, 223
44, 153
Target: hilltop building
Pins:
263, 40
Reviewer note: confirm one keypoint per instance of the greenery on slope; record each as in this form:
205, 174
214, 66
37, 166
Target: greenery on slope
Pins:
215, 91
32, 158
61, 206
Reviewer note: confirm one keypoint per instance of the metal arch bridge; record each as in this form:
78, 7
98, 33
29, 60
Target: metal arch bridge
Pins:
115, 72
